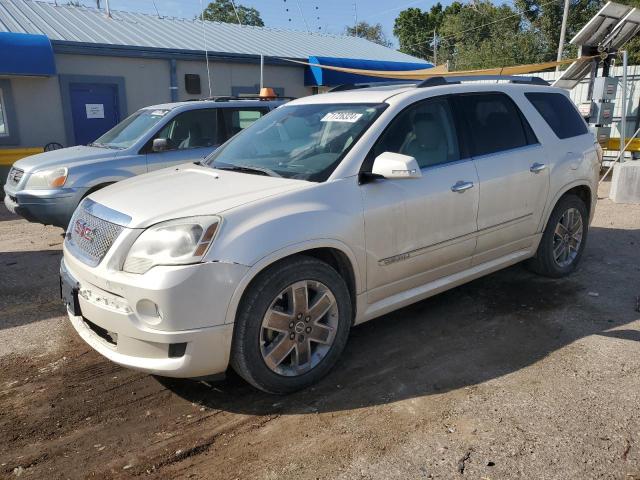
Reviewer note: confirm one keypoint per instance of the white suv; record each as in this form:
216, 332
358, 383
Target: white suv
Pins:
328, 212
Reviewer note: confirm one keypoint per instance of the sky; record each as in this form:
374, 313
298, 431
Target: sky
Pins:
330, 16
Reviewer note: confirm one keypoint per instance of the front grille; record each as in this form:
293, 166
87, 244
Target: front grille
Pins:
15, 175
110, 337
88, 237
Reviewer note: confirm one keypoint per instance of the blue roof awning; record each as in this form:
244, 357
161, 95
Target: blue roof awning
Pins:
26, 54
315, 75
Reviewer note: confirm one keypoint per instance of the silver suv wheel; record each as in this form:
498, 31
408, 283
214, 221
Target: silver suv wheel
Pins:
299, 328
567, 237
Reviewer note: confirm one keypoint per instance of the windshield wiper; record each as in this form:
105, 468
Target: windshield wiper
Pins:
250, 169
103, 145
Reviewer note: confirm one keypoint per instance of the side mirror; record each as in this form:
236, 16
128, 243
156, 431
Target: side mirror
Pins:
159, 145
395, 165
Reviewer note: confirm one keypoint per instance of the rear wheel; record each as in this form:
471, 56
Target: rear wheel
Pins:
292, 325
563, 240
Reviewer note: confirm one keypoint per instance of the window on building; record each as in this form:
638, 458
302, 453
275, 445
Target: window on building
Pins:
192, 83
559, 113
495, 123
4, 128
425, 131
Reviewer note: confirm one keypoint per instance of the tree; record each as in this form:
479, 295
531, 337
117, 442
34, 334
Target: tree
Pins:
414, 28
371, 32
223, 11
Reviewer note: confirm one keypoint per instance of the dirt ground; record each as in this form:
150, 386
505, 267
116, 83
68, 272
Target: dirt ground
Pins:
510, 376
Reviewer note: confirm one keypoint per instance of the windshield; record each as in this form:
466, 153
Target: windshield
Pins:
125, 134
305, 142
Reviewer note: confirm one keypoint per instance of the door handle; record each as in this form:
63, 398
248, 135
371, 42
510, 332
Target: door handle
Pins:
461, 186
537, 167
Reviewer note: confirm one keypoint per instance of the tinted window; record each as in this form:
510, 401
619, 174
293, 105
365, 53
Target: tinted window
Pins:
425, 131
236, 119
495, 123
192, 129
559, 113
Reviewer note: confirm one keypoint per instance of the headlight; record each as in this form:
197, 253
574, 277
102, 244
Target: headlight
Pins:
48, 179
176, 242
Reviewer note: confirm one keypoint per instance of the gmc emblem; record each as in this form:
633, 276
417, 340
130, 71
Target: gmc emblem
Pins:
84, 231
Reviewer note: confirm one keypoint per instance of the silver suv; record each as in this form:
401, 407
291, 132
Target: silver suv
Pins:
330, 211
48, 187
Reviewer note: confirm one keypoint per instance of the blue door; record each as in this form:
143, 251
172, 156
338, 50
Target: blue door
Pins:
94, 110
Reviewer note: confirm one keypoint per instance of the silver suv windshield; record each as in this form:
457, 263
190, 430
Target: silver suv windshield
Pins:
305, 142
128, 131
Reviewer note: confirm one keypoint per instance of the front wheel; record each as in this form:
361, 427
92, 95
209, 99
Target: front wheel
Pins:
292, 325
563, 240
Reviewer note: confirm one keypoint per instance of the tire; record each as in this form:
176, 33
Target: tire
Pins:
306, 329
546, 261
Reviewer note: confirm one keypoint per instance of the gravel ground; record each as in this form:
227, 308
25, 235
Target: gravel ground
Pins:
510, 376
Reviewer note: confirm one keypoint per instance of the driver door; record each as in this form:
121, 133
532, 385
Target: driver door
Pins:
420, 230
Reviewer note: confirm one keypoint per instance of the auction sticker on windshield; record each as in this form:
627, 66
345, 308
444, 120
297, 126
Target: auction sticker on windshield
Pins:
349, 117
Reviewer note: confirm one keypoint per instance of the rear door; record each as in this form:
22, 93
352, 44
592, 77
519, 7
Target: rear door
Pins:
235, 119
190, 136
512, 170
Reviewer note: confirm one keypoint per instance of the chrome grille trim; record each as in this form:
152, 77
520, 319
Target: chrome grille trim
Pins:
89, 237
15, 175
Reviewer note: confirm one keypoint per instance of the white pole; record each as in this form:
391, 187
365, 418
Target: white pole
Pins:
563, 32
623, 115
435, 49
106, 3
261, 71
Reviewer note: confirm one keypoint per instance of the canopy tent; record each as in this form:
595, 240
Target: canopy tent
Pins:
26, 54
330, 71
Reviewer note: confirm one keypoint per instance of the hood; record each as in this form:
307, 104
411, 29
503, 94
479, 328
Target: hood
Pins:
188, 190
65, 157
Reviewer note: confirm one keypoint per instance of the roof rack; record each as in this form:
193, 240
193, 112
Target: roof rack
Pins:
356, 86
228, 98
436, 81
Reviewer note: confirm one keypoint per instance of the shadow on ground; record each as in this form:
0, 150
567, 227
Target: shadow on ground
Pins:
474, 333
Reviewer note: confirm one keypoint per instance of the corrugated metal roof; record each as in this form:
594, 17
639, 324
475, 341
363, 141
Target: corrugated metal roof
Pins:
89, 25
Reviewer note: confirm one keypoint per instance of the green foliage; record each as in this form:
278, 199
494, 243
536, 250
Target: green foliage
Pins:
481, 34
223, 11
371, 32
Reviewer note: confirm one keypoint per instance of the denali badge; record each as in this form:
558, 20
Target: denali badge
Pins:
84, 231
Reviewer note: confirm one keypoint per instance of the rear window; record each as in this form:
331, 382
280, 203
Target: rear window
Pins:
559, 113
495, 123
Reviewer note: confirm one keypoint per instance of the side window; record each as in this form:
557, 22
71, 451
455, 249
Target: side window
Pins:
237, 119
192, 129
495, 123
425, 131
558, 111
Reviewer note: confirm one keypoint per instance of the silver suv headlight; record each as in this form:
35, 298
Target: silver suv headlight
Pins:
176, 242
46, 179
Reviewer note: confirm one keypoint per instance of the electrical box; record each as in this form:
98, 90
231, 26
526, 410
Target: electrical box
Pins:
602, 135
602, 113
585, 109
605, 88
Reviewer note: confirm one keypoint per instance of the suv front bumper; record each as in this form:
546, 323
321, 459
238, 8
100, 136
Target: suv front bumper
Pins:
51, 207
123, 328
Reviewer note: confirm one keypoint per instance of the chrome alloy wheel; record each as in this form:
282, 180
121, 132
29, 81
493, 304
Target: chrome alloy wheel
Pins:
567, 237
299, 328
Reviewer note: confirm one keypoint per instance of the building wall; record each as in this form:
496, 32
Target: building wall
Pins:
226, 75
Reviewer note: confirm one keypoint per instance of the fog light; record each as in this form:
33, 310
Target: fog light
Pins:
149, 311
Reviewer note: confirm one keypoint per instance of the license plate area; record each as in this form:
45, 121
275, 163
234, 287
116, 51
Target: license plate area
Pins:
69, 293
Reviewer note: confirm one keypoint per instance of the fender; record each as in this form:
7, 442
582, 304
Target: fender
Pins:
288, 251
551, 205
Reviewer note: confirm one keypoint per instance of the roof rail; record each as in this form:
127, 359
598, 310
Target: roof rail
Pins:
356, 86
228, 98
436, 81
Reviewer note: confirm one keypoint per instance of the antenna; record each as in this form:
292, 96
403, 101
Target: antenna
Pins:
302, 15
233, 4
155, 7
355, 16
206, 52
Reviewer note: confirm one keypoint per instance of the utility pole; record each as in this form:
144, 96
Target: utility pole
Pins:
563, 32
355, 16
435, 49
